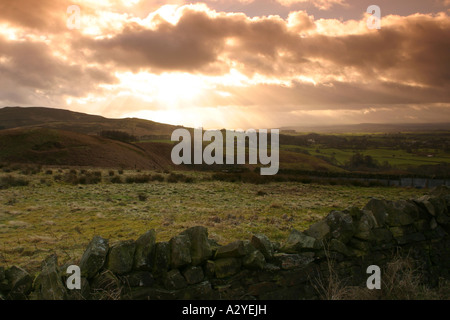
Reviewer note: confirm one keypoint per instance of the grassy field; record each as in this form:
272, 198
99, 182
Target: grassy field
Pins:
47, 216
396, 158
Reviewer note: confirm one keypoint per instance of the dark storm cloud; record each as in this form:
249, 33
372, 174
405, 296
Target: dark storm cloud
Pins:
333, 95
412, 49
166, 50
31, 66
195, 43
44, 15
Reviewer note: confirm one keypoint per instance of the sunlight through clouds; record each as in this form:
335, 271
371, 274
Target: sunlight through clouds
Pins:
220, 65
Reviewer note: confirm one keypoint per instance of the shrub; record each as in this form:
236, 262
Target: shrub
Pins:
141, 178
71, 178
246, 177
401, 279
15, 167
80, 180
107, 287
157, 177
11, 181
93, 178
175, 177
229, 177
45, 181
360, 161
118, 135
306, 180
189, 180
97, 173
30, 170
142, 197
116, 179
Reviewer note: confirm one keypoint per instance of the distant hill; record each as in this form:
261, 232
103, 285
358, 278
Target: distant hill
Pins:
15, 117
60, 137
371, 128
57, 147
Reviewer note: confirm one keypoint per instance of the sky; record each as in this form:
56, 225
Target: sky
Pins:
235, 64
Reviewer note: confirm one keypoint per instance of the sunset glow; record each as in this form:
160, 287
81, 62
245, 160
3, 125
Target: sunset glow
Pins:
235, 64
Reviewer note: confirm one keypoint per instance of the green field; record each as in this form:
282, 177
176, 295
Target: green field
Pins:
48, 216
396, 158
332, 152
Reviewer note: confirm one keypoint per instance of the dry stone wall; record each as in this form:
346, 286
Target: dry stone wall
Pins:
192, 266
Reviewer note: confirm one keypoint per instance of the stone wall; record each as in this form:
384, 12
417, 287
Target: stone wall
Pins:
192, 266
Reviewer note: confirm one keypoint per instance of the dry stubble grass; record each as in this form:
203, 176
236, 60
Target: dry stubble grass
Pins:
41, 218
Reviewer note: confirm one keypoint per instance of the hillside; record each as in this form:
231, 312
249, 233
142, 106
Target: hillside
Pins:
14, 117
58, 147
372, 128
61, 137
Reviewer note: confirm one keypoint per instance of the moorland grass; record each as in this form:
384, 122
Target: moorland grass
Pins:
49, 216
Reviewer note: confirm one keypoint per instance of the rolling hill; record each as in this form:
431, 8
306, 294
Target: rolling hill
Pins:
15, 117
48, 146
61, 137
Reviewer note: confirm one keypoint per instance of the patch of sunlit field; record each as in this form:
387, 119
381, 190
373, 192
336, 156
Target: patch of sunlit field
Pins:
399, 159
48, 216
